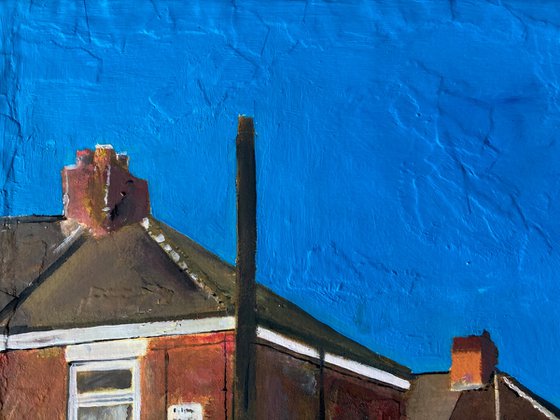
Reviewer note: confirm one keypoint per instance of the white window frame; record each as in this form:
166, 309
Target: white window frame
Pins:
123, 355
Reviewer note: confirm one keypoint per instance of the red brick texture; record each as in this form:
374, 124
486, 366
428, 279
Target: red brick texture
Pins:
292, 387
177, 369
287, 387
196, 368
350, 398
100, 192
199, 369
473, 360
33, 384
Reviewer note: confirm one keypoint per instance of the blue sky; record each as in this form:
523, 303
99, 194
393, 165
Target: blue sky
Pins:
408, 162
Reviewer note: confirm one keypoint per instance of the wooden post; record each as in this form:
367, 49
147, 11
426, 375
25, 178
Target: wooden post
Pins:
244, 392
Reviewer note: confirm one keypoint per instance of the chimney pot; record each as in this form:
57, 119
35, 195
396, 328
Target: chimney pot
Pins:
84, 157
473, 360
123, 159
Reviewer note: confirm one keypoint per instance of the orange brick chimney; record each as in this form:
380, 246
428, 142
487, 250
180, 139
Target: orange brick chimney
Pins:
473, 360
100, 192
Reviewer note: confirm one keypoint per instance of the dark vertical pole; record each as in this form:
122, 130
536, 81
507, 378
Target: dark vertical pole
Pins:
322, 408
244, 397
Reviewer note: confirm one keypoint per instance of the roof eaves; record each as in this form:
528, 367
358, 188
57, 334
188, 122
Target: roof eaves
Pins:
302, 326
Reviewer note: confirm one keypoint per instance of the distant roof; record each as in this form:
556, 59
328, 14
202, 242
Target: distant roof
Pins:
53, 274
429, 398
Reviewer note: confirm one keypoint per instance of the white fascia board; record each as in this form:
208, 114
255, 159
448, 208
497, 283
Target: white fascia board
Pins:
40, 339
367, 371
359, 368
107, 350
287, 343
77, 336
533, 402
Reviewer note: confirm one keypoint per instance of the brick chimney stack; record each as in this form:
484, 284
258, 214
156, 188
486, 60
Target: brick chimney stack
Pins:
473, 360
100, 192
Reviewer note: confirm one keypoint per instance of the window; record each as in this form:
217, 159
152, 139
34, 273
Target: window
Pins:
105, 389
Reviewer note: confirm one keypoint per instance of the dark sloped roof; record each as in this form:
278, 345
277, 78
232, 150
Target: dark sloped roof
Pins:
283, 316
120, 278
126, 277
429, 398
28, 247
516, 404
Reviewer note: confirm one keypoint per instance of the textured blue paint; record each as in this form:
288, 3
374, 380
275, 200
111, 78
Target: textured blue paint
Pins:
408, 155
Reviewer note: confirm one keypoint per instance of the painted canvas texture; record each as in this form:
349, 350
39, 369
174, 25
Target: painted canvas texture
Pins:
406, 173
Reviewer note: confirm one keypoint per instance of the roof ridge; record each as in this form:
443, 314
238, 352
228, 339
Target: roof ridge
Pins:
179, 258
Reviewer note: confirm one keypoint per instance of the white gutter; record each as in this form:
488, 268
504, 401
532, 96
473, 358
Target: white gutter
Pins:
40, 339
75, 336
351, 365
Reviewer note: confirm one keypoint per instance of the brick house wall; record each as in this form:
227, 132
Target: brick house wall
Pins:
196, 368
294, 387
288, 386
176, 369
199, 368
350, 397
33, 384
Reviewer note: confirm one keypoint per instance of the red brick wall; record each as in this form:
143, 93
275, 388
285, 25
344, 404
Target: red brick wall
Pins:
290, 387
352, 398
197, 368
33, 384
287, 387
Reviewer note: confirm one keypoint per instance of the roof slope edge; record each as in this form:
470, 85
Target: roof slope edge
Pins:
273, 311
